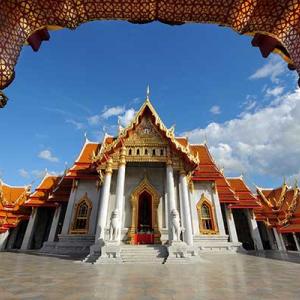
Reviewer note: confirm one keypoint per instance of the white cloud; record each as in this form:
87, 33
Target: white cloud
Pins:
47, 155
77, 125
94, 120
276, 91
272, 69
126, 118
23, 173
39, 174
112, 111
250, 103
215, 110
262, 142
107, 113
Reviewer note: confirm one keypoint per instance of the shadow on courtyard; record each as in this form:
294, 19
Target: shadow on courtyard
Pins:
290, 256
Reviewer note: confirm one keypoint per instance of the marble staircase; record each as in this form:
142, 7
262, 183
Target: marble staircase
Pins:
215, 243
155, 254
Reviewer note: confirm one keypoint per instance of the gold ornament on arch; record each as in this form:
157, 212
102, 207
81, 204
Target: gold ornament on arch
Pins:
144, 186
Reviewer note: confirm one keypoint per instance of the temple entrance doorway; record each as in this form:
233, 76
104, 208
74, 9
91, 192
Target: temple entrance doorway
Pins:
144, 229
144, 206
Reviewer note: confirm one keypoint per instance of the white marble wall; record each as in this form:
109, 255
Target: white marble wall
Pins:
89, 187
211, 195
134, 175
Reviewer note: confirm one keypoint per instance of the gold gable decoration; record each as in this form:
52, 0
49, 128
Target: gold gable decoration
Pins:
143, 137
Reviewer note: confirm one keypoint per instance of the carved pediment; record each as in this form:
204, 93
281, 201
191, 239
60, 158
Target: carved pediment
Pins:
145, 134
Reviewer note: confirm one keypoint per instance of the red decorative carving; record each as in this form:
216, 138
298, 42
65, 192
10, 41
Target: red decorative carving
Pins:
277, 22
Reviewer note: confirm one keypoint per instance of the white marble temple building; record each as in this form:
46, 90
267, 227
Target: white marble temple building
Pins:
144, 194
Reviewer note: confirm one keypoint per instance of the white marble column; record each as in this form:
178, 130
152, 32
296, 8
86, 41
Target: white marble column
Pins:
218, 212
30, 229
254, 230
120, 190
187, 220
170, 196
54, 224
231, 225
170, 187
282, 241
3, 240
105, 193
278, 240
69, 212
271, 238
296, 241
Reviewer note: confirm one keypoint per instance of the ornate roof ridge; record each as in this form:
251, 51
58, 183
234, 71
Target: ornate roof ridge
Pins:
14, 186
86, 142
198, 144
158, 122
241, 177
47, 175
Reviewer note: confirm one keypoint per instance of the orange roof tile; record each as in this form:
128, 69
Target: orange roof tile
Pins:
40, 196
244, 194
84, 159
12, 199
278, 206
182, 140
207, 170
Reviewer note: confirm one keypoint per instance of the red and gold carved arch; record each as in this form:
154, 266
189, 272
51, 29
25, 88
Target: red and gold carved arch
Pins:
275, 24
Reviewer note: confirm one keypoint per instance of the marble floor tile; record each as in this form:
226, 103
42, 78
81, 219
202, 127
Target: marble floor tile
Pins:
216, 276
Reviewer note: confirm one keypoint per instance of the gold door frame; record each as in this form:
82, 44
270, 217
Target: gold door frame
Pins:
144, 186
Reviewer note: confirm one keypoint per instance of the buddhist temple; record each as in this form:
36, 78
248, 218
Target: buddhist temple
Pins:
146, 195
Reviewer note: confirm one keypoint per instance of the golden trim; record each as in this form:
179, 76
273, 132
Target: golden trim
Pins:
203, 200
144, 186
108, 169
169, 133
84, 199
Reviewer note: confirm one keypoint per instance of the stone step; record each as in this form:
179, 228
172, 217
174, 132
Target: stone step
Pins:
143, 254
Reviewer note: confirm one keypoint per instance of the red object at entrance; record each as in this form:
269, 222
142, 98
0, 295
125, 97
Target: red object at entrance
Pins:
143, 238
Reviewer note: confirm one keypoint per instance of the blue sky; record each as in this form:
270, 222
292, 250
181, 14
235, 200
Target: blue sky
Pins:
207, 80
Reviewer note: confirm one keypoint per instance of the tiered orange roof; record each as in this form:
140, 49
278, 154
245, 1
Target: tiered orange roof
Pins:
292, 223
278, 206
84, 160
62, 190
246, 199
41, 194
207, 170
12, 211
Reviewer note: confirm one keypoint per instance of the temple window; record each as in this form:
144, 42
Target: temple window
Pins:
130, 152
161, 152
146, 151
80, 224
153, 152
206, 216
138, 152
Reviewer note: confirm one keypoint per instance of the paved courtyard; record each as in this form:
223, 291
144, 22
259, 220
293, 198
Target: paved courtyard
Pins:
216, 276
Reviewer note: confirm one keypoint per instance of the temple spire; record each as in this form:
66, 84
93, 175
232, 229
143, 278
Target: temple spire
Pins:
148, 93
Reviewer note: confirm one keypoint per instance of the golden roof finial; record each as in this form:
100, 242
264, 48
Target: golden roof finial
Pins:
296, 183
284, 180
